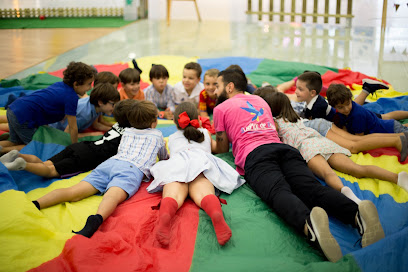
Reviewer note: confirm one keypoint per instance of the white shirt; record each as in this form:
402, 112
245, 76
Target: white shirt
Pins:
180, 94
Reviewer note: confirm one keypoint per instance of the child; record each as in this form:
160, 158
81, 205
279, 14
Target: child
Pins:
160, 92
107, 77
48, 106
192, 170
89, 111
188, 90
320, 153
354, 143
355, 118
119, 177
130, 80
79, 157
308, 86
208, 96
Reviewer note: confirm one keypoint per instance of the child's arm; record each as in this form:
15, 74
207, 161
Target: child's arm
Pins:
72, 128
100, 124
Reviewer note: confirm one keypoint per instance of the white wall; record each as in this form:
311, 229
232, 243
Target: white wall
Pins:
223, 10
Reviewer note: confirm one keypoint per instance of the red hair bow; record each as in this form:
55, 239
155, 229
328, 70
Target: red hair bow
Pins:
184, 121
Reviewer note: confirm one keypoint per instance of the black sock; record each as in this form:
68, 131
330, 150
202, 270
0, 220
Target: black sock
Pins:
37, 204
136, 66
92, 224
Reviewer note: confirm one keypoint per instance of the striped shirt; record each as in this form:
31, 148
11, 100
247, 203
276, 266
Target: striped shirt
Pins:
161, 100
141, 148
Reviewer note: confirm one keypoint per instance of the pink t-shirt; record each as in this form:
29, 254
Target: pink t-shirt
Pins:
248, 122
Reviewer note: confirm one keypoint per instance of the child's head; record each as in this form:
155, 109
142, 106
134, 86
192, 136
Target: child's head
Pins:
103, 97
106, 77
79, 76
265, 91
130, 80
144, 115
159, 76
308, 85
121, 110
191, 75
186, 118
280, 106
339, 97
210, 82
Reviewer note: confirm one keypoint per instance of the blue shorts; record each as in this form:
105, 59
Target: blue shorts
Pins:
112, 172
399, 128
320, 125
19, 133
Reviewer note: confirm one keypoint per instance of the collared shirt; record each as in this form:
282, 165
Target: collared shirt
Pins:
319, 108
162, 100
141, 148
139, 96
180, 94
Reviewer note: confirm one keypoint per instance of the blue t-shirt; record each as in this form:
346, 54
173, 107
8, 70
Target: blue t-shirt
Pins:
364, 121
85, 114
46, 106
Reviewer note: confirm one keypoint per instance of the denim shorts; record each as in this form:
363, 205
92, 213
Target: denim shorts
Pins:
320, 125
399, 128
19, 133
112, 172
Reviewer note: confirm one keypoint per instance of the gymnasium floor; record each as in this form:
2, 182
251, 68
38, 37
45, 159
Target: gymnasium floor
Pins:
362, 47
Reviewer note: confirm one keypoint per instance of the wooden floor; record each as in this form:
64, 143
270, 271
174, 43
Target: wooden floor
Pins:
23, 48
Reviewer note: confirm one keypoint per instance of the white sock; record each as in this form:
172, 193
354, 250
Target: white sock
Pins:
349, 193
403, 180
16, 165
10, 156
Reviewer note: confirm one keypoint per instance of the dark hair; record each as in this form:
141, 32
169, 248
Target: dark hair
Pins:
235, 76
104, 92
78, 72
313, 81
143, 115
121, 110
235, 67
106, 77
281, 107
194, 66
129, 75
158, 71
190, 132
338, 94
262, 91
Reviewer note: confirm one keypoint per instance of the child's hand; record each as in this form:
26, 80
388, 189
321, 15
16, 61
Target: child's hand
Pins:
168, 114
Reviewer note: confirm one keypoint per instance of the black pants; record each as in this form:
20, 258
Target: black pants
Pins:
279, 175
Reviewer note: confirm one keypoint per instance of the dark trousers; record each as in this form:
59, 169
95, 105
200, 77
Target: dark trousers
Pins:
279, 176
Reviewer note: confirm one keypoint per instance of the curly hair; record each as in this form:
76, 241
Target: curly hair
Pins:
78, 72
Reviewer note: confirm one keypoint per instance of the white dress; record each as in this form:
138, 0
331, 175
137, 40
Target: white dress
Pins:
188, 160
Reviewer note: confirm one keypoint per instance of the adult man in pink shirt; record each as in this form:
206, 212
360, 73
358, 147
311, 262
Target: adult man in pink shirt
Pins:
278, 173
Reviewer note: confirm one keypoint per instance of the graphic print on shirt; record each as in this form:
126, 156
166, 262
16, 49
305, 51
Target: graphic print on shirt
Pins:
257, 126
115, 132
253, 111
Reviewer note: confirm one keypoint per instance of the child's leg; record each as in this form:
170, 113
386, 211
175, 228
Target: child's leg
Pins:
396, 115
75, 193
111, 199
202, 193
344, 164
356, 143
7, 146
4, 127
322, 169
174, 195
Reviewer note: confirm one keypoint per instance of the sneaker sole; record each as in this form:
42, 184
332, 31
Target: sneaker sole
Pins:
372, 81
327, 243
373, 230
